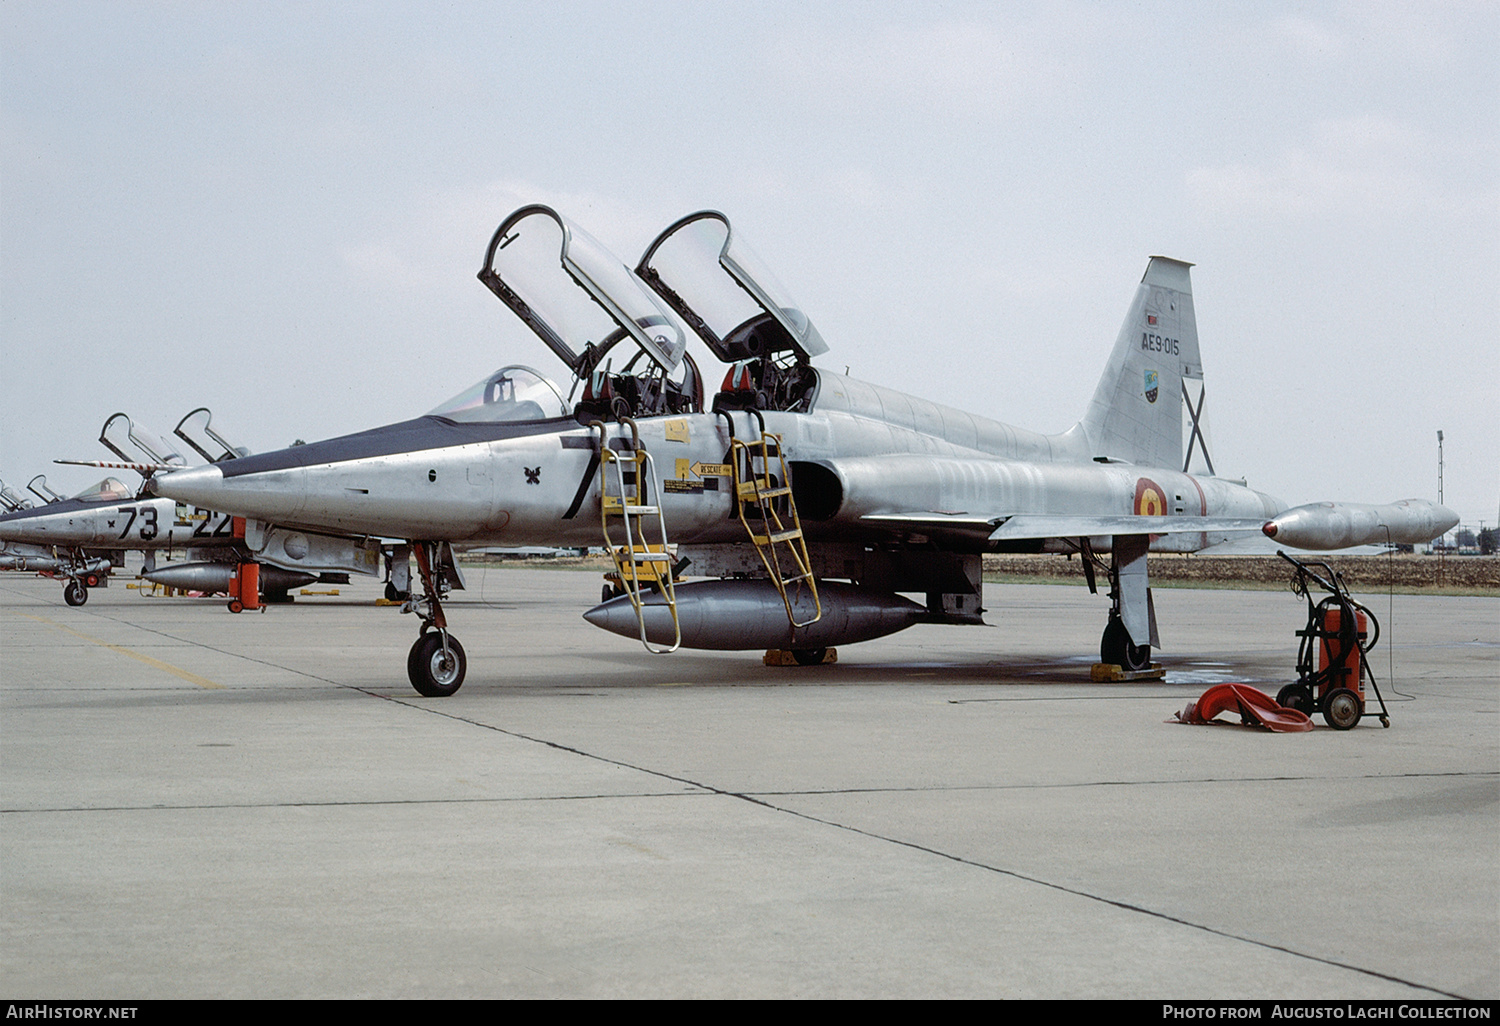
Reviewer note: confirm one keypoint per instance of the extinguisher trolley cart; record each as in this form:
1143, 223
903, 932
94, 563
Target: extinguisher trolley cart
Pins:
1333, 659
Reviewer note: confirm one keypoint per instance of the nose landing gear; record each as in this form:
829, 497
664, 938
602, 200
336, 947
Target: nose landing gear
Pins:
436, 664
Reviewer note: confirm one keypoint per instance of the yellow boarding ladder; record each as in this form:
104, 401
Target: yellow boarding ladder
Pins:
761, 485
628, 504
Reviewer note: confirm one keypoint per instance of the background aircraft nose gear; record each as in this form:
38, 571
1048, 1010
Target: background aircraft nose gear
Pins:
1332, 660
625, 482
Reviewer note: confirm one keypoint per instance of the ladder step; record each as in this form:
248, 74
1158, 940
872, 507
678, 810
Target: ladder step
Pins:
773, 539
751, 491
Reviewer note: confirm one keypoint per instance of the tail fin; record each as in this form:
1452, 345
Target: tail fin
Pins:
1136, 413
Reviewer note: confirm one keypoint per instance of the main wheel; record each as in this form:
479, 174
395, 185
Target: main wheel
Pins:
1296, 696
433, 673
809, 656
1116, 647
75, 594
1342, 709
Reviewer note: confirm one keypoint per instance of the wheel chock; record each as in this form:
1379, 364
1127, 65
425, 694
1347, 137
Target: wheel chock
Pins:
786, 657
1112, 673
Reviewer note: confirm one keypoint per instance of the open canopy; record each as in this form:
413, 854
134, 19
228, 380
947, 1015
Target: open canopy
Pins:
713, 280
120, 434
576, 296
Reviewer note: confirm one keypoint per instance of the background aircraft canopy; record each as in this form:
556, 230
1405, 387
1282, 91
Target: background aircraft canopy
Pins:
196, 429
119, 432
512, 393
719, 286
38, 486
574, 293
111, 489
12, 500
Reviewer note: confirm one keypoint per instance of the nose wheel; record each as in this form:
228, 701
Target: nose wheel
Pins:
75, 594
436, 665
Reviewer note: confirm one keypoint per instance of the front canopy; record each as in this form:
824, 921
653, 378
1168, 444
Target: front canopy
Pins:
576, 296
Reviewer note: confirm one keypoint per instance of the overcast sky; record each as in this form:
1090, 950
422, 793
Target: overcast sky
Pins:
278, 210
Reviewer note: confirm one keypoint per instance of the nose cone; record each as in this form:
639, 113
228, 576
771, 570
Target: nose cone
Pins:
201, 486
1447, 520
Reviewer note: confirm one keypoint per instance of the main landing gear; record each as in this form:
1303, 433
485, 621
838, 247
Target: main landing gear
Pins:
1129, 602
436, 664
1117, 648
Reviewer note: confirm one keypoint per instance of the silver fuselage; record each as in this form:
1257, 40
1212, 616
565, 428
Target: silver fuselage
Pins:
880, 453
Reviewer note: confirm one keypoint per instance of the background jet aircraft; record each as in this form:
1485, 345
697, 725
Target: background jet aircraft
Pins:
814, 501
83, 538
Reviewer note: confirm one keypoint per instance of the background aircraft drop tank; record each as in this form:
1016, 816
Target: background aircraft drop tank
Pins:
216, 577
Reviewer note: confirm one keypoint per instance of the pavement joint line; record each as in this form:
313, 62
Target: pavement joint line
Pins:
176, 671
367, 803
699, 790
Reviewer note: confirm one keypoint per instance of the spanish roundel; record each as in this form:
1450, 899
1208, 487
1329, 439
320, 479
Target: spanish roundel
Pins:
1149, 500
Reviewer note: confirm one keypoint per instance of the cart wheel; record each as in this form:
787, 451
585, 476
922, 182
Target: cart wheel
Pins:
1341, 709
1296, 696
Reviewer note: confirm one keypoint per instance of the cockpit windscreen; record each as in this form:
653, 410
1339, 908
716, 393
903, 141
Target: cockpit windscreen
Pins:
510, 394
111, 489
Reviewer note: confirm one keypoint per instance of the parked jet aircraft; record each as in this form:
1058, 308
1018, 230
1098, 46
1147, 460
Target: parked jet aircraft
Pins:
814, 502
81, 539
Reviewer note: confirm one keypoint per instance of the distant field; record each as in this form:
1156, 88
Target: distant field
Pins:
1458, 575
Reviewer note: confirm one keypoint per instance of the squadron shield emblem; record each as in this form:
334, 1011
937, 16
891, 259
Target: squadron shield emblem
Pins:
1151, 386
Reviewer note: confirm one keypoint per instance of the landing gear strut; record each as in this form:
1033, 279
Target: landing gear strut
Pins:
436, 664
1130, 614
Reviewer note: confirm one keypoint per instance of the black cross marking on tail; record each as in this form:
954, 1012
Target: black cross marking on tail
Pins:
1196, 438
533, 475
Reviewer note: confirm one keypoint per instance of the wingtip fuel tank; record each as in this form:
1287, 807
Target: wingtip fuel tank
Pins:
1323, 526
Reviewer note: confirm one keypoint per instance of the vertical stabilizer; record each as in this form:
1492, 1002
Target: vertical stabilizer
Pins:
1136, 414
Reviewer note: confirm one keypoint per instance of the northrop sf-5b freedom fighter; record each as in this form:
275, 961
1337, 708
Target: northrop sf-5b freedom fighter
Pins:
818, 510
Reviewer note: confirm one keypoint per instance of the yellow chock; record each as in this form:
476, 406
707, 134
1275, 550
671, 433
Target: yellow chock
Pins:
784, 657
1110, 673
